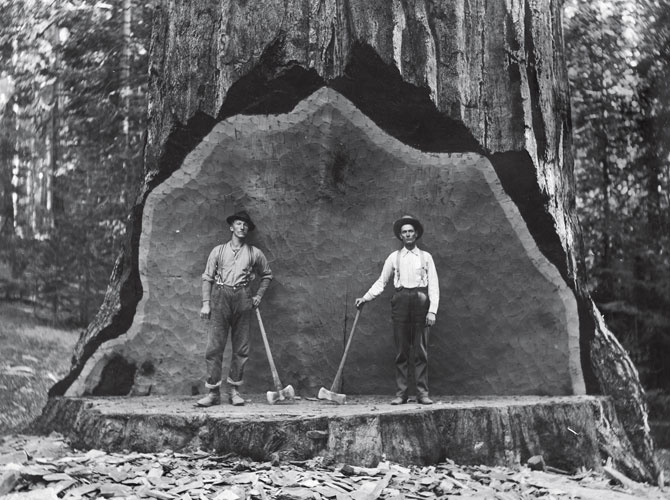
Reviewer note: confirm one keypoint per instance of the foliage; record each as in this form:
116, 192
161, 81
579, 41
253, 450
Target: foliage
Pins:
74, 78
618, 57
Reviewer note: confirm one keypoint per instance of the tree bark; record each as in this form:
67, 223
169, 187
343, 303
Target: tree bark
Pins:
495, 431
494, 69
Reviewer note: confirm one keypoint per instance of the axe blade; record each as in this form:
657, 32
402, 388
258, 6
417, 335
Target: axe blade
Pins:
272, 397
286, 393
335, 397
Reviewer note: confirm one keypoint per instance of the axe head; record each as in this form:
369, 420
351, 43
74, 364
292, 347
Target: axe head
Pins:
335, 397
286, 393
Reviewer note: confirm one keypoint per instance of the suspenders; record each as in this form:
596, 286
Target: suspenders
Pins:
422, 260
217, 274
250, 256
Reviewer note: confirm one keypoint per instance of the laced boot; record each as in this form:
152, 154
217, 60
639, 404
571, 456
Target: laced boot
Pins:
213, 398
234, 397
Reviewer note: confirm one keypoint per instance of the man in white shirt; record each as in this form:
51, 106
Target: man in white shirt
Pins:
413, 305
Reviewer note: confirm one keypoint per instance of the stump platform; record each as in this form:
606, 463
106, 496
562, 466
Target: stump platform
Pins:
501, 430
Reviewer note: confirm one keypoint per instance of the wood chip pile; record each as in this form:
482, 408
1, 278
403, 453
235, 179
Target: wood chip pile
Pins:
46, 468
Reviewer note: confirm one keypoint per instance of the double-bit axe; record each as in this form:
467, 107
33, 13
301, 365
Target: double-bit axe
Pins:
331, 394
281, 394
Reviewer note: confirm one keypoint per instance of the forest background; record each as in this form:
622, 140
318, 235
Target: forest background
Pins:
73, 87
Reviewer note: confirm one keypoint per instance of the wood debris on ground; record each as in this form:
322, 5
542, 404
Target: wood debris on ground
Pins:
46, 468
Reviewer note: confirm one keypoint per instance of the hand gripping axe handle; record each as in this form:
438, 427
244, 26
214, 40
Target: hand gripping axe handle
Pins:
331, 394
281, 394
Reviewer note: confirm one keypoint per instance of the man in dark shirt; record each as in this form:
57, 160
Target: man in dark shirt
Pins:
227, 300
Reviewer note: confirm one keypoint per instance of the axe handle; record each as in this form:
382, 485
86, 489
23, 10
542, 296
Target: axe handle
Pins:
338, 376
275, 375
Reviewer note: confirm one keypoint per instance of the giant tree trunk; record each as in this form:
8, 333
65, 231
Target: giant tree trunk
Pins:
410, 82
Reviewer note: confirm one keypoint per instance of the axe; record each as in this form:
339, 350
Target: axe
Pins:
281, 394
331, 395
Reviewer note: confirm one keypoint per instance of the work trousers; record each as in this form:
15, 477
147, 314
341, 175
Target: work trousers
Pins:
230, 312
409, 307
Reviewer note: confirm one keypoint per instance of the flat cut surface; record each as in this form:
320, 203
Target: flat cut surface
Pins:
324, 185
257, 407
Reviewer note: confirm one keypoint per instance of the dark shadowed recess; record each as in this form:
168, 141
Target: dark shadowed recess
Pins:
117, 378
403, 110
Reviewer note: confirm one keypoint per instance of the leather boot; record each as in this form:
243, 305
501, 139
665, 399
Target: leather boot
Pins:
234, 397
213, 398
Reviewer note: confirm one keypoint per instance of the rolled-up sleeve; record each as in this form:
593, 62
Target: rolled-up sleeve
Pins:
210, 268
208, 275
263, 271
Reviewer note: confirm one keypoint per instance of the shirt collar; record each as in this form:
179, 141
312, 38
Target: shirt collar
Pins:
405, 251
230, 244
230, 247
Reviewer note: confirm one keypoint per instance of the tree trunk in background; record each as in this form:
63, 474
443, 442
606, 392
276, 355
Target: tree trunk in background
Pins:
497, 68
125, 85
47, 219
7, 149
607, 279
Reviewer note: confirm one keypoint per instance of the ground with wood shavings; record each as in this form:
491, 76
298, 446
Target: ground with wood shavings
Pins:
47, 468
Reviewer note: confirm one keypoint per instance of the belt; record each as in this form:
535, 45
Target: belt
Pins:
417, 289
235, 288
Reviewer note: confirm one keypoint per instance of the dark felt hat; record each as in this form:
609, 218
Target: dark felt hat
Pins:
241, 215
407, 219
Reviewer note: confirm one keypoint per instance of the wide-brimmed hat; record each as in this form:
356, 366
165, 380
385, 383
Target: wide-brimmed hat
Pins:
407, 219
241, 215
